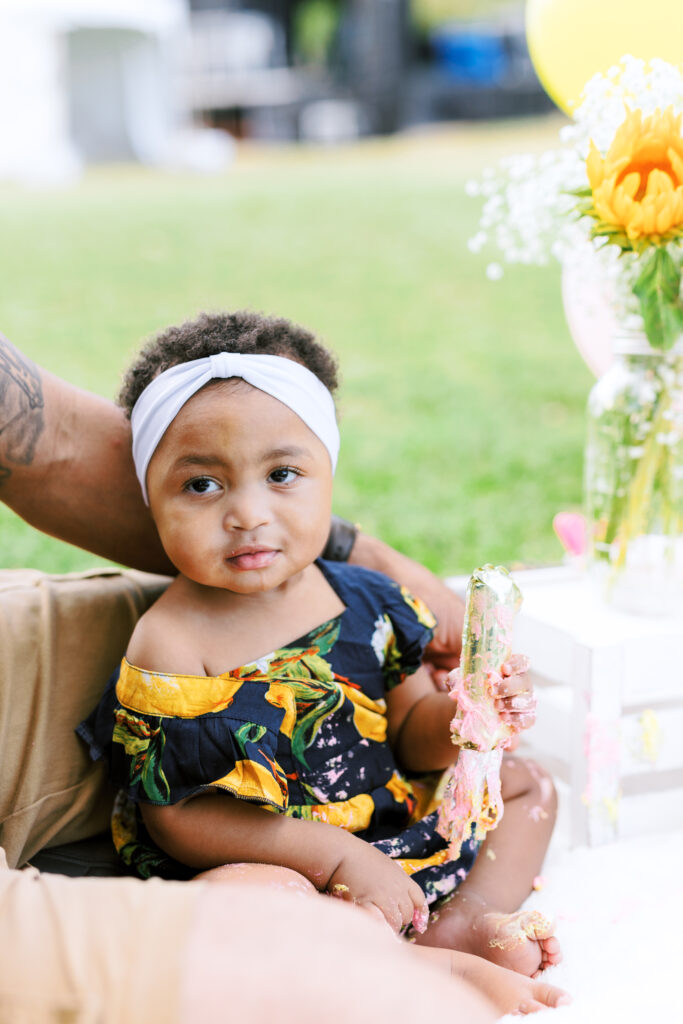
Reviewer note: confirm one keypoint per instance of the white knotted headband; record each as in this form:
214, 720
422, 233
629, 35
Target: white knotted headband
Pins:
291, 383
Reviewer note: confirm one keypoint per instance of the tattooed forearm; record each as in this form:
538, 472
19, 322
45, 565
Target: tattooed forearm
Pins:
21, 409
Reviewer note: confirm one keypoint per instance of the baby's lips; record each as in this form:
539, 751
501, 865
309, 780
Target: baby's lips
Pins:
420, 919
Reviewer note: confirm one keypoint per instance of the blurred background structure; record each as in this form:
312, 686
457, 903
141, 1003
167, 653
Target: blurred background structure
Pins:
91, 81
329, 70
85, 82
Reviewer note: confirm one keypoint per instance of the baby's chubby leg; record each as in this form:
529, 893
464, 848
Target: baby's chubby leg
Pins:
265, 876
481, 916
250, 945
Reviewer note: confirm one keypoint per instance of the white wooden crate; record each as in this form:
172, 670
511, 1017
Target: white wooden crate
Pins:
610, 705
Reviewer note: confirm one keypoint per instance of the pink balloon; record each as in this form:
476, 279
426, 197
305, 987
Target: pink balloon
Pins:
591, 320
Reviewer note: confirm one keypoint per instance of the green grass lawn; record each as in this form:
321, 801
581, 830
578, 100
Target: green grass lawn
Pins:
462, 404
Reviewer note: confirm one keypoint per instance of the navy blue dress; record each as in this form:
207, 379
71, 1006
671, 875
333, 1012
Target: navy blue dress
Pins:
301, 731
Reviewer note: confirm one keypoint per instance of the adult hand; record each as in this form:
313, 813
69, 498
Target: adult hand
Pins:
443, 653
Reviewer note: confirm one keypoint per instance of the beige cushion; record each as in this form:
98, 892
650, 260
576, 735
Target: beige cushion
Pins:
60, 639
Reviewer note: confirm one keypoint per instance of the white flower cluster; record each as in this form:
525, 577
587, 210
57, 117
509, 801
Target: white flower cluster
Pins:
529, 212
639, 85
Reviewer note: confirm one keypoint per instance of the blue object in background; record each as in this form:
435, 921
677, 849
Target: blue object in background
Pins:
479, 58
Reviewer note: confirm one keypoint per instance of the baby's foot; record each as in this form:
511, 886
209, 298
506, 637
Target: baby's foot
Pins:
509, 991
523, 942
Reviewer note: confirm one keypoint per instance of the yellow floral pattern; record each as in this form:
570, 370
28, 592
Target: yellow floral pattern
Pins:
301, 732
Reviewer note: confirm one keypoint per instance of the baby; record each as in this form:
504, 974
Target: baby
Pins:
272, 708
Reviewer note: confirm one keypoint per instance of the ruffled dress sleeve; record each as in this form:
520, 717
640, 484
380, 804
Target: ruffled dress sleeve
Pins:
166, 737
381, 612
401, 633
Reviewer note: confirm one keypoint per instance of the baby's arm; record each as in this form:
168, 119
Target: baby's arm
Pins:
419, 718
215, 828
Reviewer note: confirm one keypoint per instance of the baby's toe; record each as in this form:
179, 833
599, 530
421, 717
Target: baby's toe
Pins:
550, 951
550, 995
528, 1006
538, 926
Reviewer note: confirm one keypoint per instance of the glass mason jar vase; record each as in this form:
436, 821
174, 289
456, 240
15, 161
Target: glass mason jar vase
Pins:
634, 478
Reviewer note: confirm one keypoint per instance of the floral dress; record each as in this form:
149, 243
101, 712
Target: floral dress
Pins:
301, 731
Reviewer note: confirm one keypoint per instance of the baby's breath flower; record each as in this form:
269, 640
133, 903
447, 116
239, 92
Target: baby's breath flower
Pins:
477, 242
541, 206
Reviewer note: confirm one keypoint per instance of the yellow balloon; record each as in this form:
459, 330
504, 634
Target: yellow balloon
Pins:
572, 40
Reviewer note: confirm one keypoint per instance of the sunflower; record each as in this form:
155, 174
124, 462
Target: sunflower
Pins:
637, 187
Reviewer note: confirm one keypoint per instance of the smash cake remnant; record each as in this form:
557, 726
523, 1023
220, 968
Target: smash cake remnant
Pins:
421, 919
472, 803
515, 929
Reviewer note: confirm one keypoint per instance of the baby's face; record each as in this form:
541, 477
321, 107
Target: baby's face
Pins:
240, 490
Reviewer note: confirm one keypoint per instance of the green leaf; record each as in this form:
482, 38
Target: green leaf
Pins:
154, 782
658, 290
250, 732
614, 234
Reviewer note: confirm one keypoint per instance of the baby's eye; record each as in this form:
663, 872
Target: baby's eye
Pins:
201, 485
283, 475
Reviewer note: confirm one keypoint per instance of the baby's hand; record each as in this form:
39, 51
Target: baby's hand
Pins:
372, 880
514, 695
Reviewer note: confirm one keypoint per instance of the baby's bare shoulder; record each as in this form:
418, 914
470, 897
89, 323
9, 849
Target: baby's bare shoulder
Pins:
161, 642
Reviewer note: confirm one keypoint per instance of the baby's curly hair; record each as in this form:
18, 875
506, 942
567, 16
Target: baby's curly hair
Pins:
210, 333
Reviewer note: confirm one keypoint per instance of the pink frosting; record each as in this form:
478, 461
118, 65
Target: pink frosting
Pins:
473, 795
